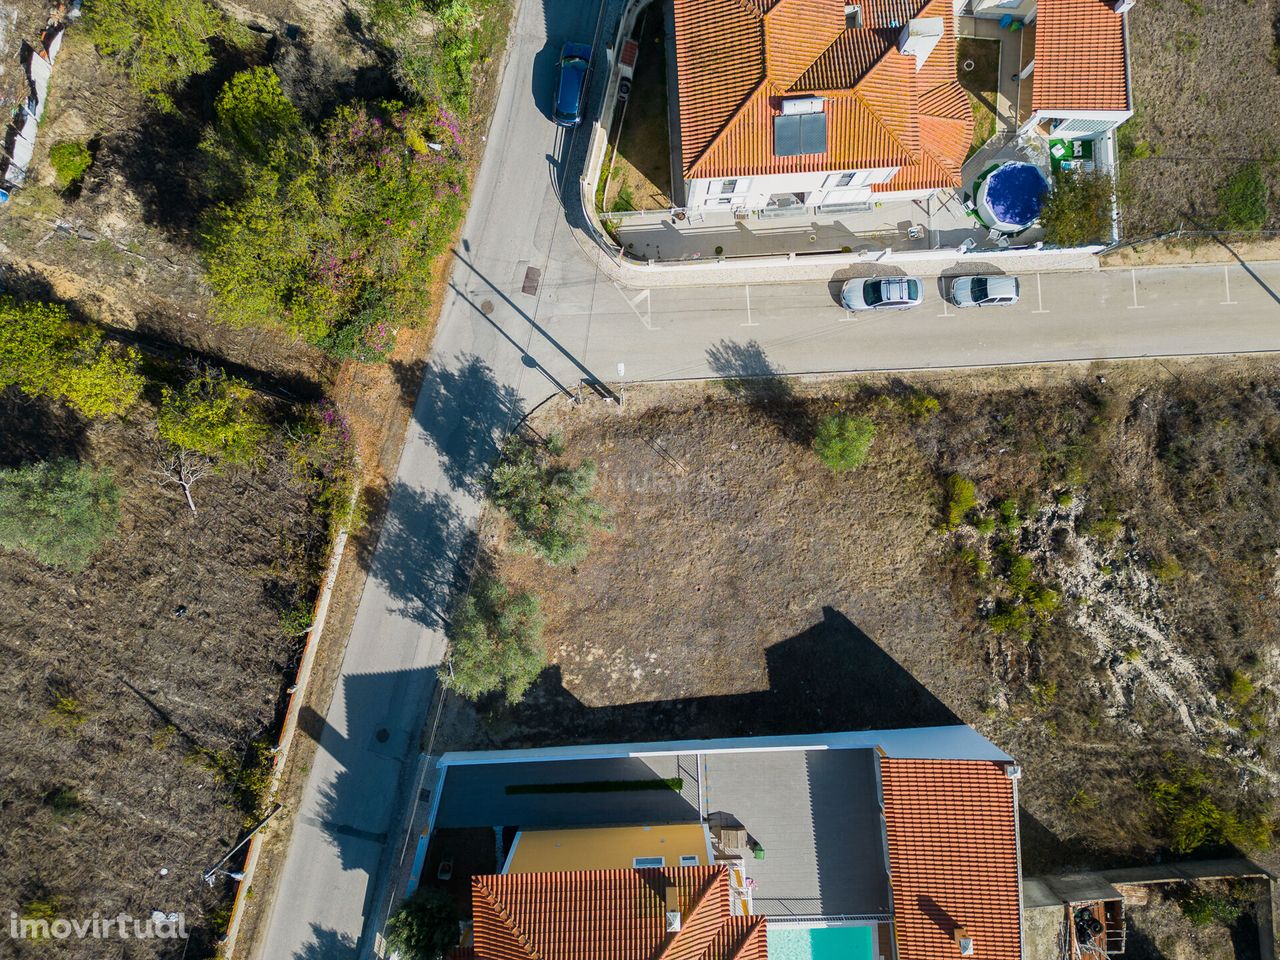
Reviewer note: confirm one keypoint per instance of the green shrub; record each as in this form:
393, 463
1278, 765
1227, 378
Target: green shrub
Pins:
1207, 907
44, 353
962, 496
985, 524
1243, 199
323, 456
920, 405
63, 801
1065, 498
550, 505
1167, 569
160, 44
1044, 693
843, 441
1077, 211
60, 512
215, 415
70, 159
1106, 529
424, 927
1011, 619
1009, 518
1020, 571
1239, 689
1042, 600
1187, 816
333, 237
495, 642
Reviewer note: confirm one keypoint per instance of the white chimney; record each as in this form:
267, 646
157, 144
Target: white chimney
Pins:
919, 37
964, 941
673, 921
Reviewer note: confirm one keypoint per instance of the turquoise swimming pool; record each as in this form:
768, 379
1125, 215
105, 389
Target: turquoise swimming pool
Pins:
821, 943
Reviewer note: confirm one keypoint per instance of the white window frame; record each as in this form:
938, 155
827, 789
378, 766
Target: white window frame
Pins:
689, 860
640, 863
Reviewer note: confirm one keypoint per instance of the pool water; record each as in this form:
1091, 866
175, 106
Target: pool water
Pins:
821, 943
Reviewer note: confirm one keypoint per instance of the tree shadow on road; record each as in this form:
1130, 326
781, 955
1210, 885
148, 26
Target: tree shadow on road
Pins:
422, 552
750, 376
464, 411
326, 945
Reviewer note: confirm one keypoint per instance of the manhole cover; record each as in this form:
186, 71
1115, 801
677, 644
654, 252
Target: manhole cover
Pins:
531, 278
487, 308
383, 735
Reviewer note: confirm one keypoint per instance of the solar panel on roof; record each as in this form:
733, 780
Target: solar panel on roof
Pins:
797, 134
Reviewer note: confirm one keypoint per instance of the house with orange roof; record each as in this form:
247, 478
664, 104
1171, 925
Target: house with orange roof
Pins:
874, 845
833, 105
795, 103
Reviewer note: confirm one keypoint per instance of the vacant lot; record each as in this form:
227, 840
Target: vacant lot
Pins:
745, 589
1206, 85
135, 691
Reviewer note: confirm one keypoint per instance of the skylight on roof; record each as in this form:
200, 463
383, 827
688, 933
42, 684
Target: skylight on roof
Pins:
799, 134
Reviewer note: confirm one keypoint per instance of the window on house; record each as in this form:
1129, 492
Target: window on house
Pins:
688, 861
853, 16
845, 179
728, 186
641, 862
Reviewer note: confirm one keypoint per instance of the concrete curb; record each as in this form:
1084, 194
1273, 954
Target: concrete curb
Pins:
301, 682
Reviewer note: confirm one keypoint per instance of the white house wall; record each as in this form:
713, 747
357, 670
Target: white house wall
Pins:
753, 193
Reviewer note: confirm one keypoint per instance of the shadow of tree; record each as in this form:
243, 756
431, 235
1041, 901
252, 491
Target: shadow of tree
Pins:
463, 411
422, 552
750, 376
327, 945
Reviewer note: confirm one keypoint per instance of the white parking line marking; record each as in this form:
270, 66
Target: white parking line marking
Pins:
642, 297
1039, 297
1136, 305
1226, 279
946, 312
749, 322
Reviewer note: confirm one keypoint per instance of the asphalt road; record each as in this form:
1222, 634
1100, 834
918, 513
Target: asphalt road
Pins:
509, 338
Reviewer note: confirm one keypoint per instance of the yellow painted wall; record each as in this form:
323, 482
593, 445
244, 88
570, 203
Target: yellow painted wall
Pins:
606, 848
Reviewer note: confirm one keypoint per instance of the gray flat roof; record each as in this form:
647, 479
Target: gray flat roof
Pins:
815, 811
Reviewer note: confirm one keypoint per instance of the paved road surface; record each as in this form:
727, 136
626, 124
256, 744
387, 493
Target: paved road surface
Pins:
499, 350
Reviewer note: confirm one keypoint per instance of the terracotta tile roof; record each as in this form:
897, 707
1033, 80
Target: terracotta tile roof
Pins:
737, 59
609, 915
1080, 57
953, 858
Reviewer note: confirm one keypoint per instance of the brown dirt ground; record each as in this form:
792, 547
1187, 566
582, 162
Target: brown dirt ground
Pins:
169, 642
744, 589
1206, 85
1158, 929
1193, 251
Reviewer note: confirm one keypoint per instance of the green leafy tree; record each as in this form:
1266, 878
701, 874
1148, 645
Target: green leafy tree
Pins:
495, 642
60, 511
159, 43
1077, 211
332, 237
1243, 199
843, 441
70, 159
256, 128
44, 353
425, 927
550, 504
215, 415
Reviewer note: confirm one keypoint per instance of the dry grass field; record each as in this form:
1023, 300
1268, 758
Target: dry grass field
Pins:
746, 589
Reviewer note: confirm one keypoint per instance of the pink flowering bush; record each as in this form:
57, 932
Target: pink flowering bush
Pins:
335, 237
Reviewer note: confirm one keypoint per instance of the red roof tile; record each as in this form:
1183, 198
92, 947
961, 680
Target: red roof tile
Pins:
953, 858
737, 59
609, 915
1080, 57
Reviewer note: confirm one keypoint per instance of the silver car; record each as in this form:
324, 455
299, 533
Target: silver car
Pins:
882, 293
984, 291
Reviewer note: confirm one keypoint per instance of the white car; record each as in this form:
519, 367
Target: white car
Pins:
984, 291
882, 293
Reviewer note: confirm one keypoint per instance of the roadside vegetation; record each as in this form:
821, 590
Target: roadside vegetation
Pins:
1077, 564
175, 466
1202, 144
424, 927
1077, 211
